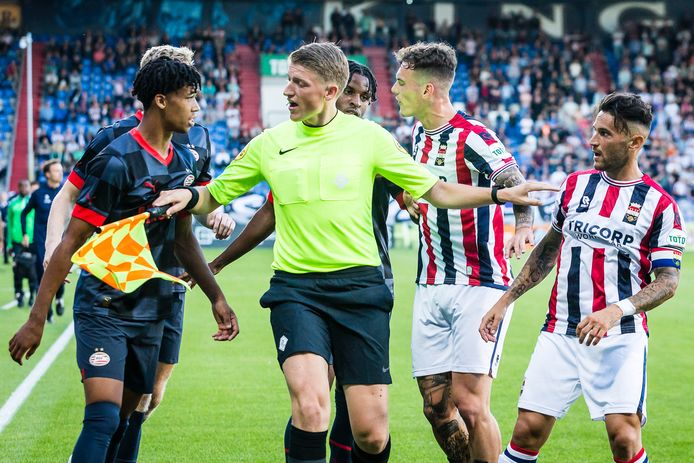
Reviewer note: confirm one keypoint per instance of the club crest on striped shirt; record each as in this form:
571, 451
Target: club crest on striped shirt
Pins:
441, 155
632, 214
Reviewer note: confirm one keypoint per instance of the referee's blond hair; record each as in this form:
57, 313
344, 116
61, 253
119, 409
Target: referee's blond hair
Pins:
325, 59
182, 54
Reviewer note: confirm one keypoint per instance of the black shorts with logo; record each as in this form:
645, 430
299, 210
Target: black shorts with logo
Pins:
343, 316
126, 350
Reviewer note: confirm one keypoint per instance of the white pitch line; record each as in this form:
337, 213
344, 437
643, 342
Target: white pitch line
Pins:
9, 305
10, 408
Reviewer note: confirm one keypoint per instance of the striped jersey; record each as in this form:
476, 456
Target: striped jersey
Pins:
613, 235
462, 246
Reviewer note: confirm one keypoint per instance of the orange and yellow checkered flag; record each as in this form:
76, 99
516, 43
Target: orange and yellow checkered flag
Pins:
120, 256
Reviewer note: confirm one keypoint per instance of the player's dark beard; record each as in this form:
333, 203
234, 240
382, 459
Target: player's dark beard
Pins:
623, 158
615, 158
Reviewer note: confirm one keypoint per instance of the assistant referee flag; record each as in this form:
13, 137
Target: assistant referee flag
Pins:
120, 256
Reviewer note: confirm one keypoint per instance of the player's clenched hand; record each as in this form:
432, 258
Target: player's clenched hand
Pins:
411, 206
226, 321
519, 194
26, 341
596, 325
524, 235
177, 199
490, 321
221, 224
185, 276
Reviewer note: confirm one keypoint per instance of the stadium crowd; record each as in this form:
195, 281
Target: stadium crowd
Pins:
86, 87
536, 92
9, 71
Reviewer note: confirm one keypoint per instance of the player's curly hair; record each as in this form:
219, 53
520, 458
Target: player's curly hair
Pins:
358, 68
182, 54
437, 59
163, 76
626, 108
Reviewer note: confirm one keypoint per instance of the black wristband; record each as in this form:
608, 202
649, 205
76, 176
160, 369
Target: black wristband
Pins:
195, 196
495, 198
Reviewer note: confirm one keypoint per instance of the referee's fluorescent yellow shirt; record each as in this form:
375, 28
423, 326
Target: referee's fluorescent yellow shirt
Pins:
322, 180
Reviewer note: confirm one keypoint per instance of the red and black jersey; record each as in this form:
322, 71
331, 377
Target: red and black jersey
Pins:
197, 140
122, 181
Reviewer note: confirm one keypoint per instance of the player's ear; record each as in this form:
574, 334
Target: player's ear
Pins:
159, 101
636, 142
332, 92
429, 89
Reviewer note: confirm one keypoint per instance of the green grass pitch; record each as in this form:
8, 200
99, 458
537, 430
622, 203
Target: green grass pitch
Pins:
228, 403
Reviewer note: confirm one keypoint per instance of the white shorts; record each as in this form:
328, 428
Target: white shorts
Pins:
445, 330
611, 375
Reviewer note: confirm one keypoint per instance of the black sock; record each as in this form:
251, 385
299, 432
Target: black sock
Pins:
115, 441
287, 438
100, 422
130, 444
360, 456
306, 446
341, 439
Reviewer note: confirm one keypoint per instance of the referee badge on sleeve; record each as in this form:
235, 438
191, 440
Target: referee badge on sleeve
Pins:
399, 147
241, 154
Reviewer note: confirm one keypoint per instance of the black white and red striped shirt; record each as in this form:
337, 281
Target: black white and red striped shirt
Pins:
614, 234
462, 246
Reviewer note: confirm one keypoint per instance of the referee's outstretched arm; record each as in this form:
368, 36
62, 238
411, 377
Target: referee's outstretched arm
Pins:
457, 196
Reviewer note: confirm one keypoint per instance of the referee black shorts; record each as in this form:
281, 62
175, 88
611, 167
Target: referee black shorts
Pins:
342, 315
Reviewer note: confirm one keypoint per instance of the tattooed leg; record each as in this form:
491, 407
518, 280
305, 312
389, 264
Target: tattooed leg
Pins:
448, 427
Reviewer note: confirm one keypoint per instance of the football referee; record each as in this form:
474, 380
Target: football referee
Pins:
327, 295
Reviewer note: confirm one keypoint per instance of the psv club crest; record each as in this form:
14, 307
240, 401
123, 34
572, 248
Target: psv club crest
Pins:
194, 152
632, 214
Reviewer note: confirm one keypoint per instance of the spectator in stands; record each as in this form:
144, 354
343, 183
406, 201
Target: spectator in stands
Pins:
3, 219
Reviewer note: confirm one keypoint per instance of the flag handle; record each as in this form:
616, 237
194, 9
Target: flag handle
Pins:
157, 212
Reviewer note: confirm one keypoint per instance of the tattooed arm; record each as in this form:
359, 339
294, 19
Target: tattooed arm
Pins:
658, 291
541, 261
662, 288
524, 215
